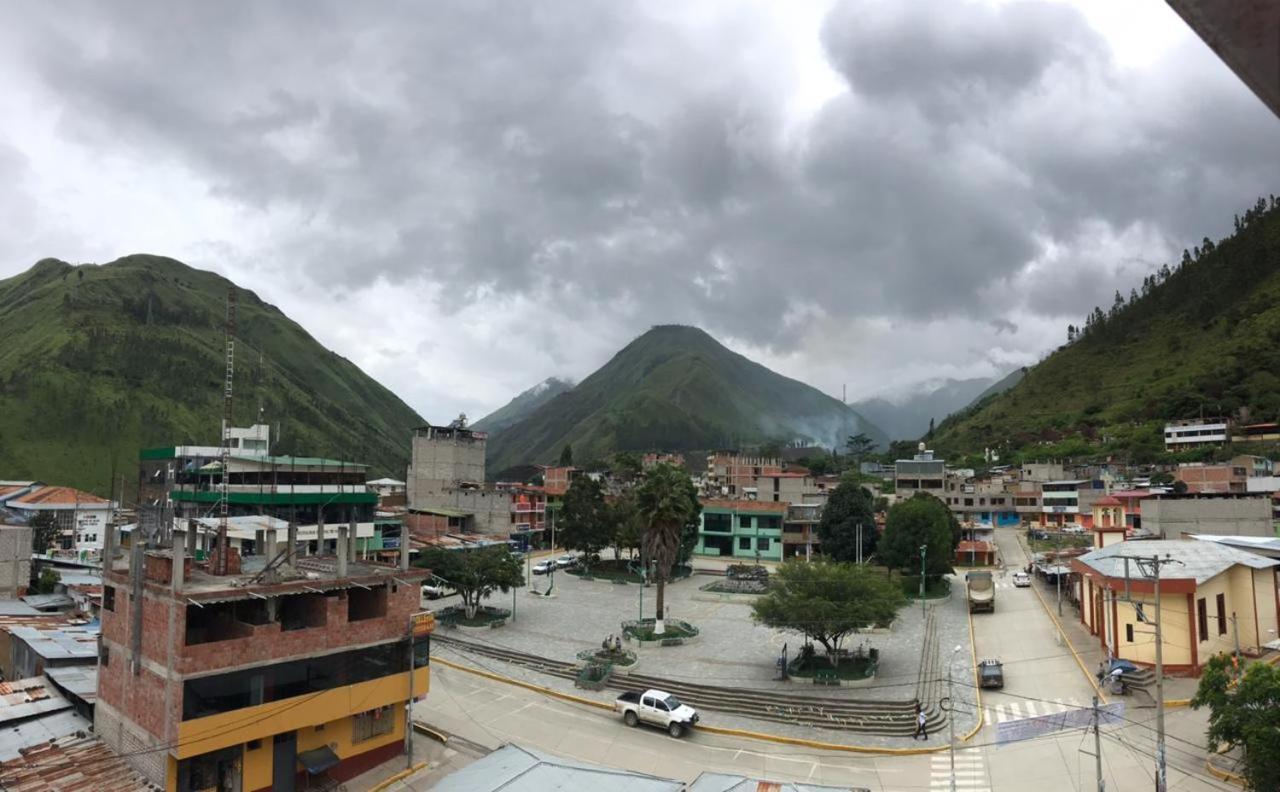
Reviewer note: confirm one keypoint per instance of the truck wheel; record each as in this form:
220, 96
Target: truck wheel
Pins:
675, 730
630, 718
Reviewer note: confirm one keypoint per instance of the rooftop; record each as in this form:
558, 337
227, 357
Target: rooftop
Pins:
746, 505
71, 764
61, 643
385, 482
79, 681
1199, 560
513, 768
27, 698
59, 496
18, 738
719, 782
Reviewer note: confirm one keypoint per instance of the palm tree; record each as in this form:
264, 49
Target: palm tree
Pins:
667, 502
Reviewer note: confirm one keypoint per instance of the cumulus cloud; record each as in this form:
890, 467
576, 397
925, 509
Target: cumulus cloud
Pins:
501, 192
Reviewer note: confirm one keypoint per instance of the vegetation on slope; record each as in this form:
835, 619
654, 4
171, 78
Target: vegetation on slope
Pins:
676, 388
101, 361
519, 408
1198, 338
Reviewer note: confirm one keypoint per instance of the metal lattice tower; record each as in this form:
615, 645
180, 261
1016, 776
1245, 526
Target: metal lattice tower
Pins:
223, 545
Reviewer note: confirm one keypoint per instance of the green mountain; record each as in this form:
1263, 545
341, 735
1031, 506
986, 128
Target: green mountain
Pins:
676, 388
1001, 385
99, 361
522, 406
1198, 338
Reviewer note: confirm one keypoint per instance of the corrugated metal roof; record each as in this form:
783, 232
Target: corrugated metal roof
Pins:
48, 601
1199, 560
513, 768
18, 738
27, 698
60, 644
721, 782
80, 681
71, 765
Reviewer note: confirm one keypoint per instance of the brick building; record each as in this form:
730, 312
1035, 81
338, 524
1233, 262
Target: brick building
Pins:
272, 677
733, 476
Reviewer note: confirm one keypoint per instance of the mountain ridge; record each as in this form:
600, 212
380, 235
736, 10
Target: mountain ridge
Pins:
522, 405
676, 388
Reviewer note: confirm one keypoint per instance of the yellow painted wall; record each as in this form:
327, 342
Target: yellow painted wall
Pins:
202, 735
1264, 583
1173, 610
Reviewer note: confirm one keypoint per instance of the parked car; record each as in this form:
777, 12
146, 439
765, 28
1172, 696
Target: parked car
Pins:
991, 674
1021, 579
566, 561
435, 590
1073, 528
544, 567
656, 708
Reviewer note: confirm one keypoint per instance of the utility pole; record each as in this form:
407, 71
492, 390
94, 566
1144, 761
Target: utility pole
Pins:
551, 573
1097, 747
1235, 634
951, 718
223, 544
1057, 566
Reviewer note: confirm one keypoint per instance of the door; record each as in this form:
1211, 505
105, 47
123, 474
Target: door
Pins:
284, 762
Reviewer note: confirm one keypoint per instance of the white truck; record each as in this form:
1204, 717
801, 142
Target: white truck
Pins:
656, 708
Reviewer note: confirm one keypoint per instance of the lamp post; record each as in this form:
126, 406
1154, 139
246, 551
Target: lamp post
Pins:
951, 717
923, 549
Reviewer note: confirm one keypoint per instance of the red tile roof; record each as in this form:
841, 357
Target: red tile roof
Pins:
1107, 500
70, 765
968, 546
48, 496
9, 490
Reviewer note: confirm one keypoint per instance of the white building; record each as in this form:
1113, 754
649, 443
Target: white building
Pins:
81, 518
1189, 434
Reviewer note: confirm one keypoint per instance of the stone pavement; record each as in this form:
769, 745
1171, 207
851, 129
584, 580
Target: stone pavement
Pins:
731, 650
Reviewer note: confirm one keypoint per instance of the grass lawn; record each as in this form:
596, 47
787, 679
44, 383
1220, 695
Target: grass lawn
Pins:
848, 668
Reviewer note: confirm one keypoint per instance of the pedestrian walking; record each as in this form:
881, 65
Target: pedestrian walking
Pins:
922, 731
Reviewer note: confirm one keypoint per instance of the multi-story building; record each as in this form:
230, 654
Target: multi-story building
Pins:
1181, 435
444, 457
790, 487
557, 478
15, 560
80, 518
800, 530
277, 678
921, 473
1041, 471
160, 469
985, 503
732, 476
1171, 516
746, 529
1069, 502
653, 459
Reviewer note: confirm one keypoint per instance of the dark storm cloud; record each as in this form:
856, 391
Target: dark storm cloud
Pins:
588, 151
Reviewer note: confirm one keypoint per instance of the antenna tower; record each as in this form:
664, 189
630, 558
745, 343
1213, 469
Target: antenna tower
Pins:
220, 561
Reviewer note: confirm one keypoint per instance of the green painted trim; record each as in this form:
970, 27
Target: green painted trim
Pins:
168, 452
276, 498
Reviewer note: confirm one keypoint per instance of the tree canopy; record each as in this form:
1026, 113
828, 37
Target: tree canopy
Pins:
848, 506
1243, 715
628, 524
919, 520
474, 574
860, 446
582, 522
827, 600
566, 456
669, 509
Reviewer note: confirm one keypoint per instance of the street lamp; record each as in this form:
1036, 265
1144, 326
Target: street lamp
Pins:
951, 716
923, 550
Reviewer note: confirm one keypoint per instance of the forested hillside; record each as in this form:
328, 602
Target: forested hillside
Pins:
100, 361
1201, 336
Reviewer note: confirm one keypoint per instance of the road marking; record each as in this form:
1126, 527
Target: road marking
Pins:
1000, 713
970, 773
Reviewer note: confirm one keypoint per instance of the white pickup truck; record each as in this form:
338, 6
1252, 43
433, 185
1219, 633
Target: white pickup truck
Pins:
656, 708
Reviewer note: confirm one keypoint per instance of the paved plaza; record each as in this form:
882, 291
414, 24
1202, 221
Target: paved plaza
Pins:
731, 650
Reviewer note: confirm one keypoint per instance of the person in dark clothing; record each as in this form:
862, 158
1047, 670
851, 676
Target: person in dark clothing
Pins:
922, 732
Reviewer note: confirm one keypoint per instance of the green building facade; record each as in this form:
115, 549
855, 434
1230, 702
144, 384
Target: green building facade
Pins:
746, 530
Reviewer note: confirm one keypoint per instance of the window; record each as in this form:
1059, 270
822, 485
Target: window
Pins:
109, 598
1222, 614
1202, 619
1128, 633
105, 652
744, 521
253, 745
762, 543
367, 725
744, 542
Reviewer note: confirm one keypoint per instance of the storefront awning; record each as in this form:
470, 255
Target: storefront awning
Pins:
318, 760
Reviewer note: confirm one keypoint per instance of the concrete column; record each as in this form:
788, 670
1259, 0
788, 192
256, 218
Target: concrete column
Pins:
291, 558
269, 548
342, 551
193, 538
179, 557
352, 541
404, 547
108, 549
319, 531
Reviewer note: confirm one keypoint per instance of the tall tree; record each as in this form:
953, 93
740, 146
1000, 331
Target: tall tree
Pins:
1242, 714
859, 446
566, 455
848, 506
44, 531
668, 506
628, 525
582, 523
827, 601
475, 574
919, 520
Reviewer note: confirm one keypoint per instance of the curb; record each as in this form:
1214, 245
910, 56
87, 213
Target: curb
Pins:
422, 728
752, 735
977, 683
1224, 775
386, 782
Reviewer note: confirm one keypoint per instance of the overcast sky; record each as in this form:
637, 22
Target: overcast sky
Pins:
467, 197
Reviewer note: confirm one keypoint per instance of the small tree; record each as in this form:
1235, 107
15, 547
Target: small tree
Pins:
668, 506
860, 446
919, 520
582, 523
44, 531
827, 601
1243, 715
48, 582
628, 525
566, 456
475, 574
848, 507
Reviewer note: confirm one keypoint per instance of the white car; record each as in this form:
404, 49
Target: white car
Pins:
1073, 528
544, 567
434, 590
656, 708
566, 561
1021, 579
